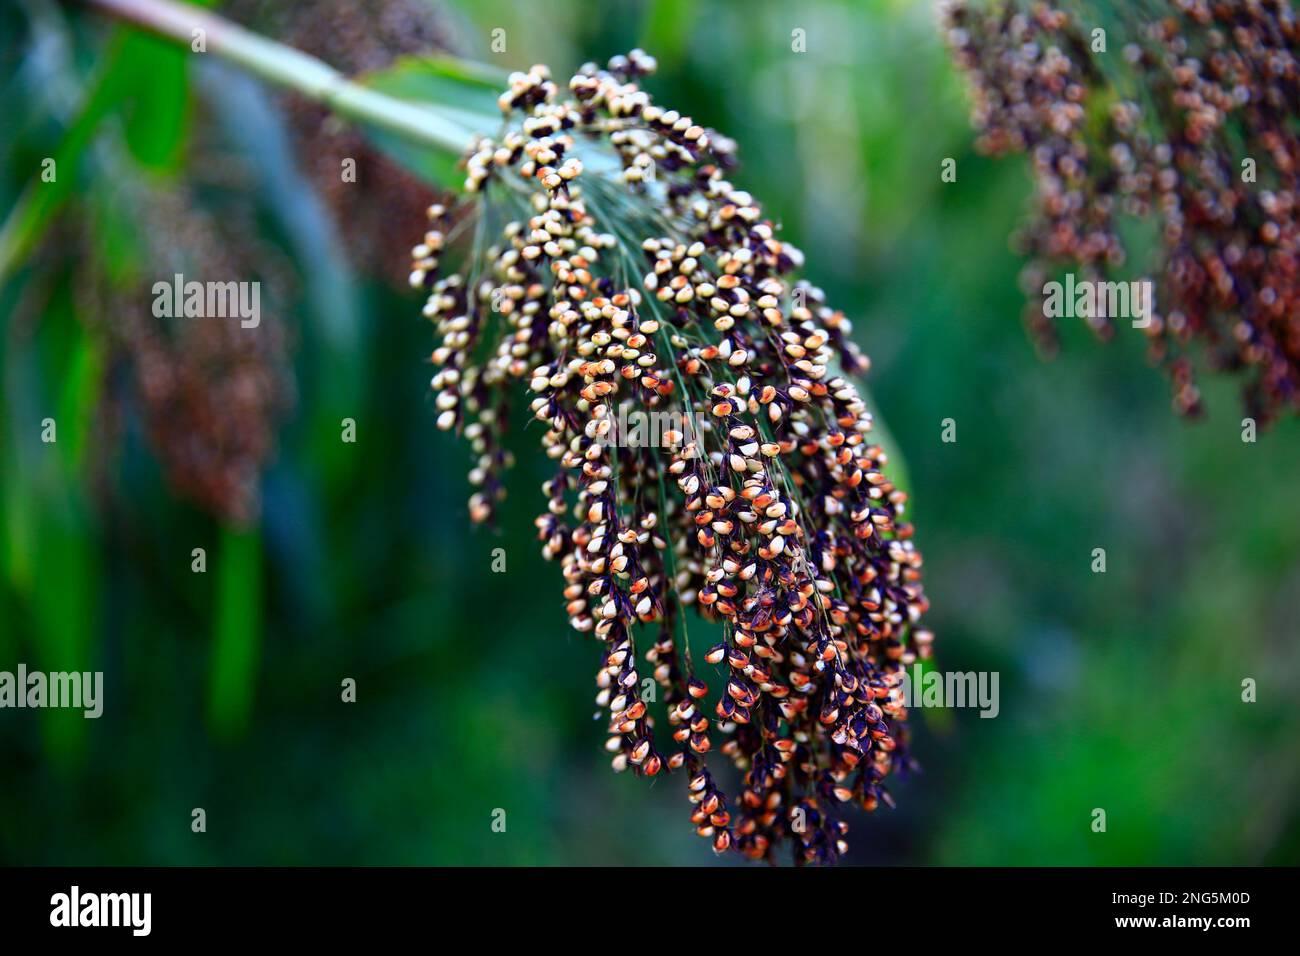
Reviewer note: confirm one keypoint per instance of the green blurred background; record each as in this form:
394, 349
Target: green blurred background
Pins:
1119, 691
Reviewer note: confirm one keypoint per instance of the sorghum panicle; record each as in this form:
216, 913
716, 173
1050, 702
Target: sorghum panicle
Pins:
211, 394
629, 269
1160, 125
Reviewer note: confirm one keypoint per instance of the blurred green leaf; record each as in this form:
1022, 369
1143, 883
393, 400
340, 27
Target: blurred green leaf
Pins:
465, 93
156, 111
464, 90
40, 201
65, 585
143, 77
236, 630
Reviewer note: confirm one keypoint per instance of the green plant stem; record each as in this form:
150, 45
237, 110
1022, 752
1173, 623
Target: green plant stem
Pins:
285, 66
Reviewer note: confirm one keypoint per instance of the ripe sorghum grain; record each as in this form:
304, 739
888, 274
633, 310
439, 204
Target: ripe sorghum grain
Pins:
628, 268
1158, 127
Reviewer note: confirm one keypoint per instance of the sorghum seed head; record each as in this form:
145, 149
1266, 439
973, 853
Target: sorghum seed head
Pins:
671, 295
1212, 154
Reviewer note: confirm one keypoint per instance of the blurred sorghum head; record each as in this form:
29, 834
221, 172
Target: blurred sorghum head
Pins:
210, 394
607, 262
1187, 117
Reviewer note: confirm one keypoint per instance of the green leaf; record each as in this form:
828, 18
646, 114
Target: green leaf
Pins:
63, 576
155, 113
465, 93
237, 631
40, 201
469, 90
434, 166
144, 79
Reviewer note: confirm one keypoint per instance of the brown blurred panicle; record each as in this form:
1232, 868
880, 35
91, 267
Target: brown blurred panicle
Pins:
1187, 120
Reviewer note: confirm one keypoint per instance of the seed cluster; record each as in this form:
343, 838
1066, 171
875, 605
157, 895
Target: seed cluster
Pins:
1159, 127
629, 269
